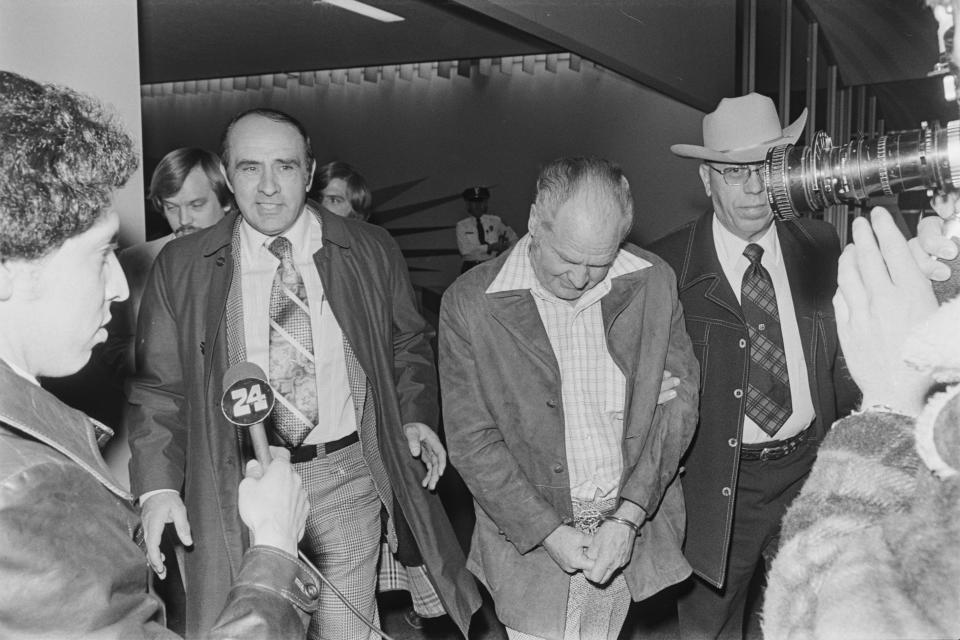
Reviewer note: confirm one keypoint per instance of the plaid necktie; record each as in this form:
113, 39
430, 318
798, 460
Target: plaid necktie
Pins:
292, 369
768, 393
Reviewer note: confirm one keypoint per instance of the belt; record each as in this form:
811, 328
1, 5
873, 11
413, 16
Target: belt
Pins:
307, 452
775, 449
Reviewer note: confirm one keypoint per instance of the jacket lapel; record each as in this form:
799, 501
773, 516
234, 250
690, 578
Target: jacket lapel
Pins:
516, 311
342, 286
217, 270
625, 339
701, 266
35, 412
623, 342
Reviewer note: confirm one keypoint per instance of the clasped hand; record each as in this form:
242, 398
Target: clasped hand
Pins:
599, 556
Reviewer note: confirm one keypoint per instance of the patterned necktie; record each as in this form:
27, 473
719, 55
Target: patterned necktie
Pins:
292, 369
768, 393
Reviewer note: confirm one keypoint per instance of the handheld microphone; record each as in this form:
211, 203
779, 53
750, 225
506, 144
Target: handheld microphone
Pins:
247, 401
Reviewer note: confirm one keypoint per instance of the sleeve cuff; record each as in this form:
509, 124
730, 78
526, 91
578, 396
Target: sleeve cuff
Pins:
150, 494
274, 570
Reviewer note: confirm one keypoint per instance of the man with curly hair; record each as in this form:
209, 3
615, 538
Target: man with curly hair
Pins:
70, 563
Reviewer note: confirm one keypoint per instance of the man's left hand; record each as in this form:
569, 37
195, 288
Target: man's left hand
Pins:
667, 386
612, 545
425, 444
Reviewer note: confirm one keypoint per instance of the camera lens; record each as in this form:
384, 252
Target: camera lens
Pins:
802, 179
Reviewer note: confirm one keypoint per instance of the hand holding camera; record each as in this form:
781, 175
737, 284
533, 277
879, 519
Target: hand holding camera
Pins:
882, 296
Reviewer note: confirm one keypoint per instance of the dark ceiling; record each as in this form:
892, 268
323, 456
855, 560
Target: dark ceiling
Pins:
686, 49
197, 39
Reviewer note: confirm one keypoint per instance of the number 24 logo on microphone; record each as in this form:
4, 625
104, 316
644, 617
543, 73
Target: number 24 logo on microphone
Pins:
248, 401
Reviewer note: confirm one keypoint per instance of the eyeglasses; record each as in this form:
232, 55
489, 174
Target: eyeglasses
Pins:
739, 174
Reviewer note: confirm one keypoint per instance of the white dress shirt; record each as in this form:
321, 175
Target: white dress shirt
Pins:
730, 253
593, 388
336, 416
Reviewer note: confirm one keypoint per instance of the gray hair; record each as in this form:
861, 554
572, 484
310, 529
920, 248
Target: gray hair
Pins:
563, 178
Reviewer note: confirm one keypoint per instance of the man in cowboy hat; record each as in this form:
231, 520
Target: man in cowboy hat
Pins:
757, 297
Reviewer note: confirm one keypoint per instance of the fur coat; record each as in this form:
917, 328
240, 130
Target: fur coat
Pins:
871, 547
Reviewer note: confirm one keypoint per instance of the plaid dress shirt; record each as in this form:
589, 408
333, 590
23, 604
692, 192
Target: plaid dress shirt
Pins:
592, 386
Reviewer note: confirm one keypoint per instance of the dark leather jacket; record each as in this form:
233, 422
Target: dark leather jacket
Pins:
69, 566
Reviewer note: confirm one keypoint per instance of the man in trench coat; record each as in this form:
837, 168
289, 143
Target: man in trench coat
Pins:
191, 329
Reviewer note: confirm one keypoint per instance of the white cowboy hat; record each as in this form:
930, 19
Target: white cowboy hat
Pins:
741, 130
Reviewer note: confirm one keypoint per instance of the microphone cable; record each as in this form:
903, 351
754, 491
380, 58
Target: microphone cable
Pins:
343, 598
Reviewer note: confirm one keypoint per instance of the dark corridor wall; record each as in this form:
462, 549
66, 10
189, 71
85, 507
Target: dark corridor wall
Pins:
420, 141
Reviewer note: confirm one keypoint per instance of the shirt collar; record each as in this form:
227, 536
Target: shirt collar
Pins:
304, 234
517, 271
730, 247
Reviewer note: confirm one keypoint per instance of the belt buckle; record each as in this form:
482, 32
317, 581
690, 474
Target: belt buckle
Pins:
299, 454
772, 453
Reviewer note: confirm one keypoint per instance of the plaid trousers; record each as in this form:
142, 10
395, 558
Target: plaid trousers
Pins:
343, 539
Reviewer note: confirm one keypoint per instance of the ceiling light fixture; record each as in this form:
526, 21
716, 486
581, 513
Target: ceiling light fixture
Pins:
363, 9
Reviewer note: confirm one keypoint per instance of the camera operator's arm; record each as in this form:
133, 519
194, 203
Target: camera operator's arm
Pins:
881, 297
